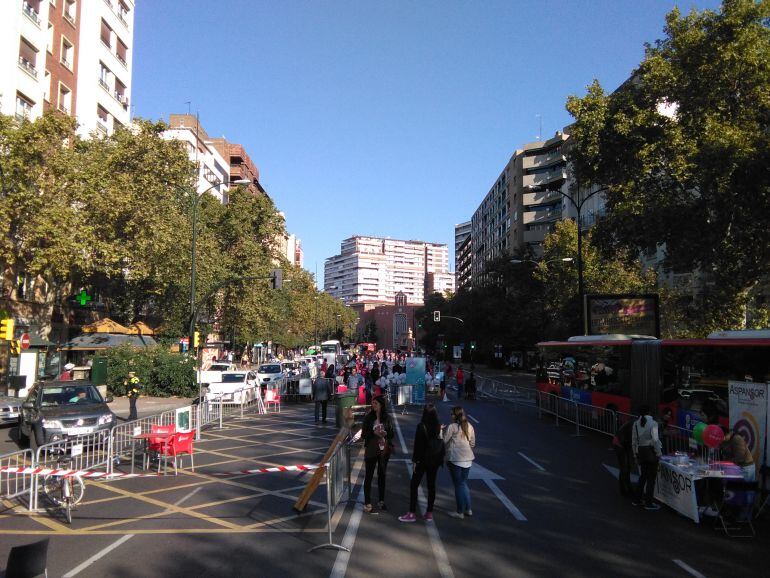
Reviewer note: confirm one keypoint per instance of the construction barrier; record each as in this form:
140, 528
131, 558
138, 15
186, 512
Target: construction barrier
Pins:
12, 483
30, 471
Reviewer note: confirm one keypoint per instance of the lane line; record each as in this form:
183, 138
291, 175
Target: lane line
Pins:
75, 571
470, 417
506, 502
689, 569
531, 461
439, 552
343, 558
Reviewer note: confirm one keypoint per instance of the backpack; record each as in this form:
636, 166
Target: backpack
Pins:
434, 449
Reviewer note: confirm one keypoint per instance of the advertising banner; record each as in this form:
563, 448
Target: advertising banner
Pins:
676, 488
625, 314
183, 419
748, 415
415, 376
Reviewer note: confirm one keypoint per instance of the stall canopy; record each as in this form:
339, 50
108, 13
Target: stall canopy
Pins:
106, 333
97, 341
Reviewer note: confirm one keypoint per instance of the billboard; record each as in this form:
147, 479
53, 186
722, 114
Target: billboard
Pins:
627, 314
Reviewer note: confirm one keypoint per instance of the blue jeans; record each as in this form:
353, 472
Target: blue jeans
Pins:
462, 491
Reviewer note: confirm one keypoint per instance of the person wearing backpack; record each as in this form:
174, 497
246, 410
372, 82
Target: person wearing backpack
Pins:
427, 457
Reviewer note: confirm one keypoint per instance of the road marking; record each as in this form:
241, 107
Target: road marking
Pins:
689, 569
439, 553
470, 417
75, 571
343, 556
533, 462
506, 502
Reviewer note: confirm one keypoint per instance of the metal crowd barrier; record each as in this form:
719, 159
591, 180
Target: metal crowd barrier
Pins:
338, 484
13, 485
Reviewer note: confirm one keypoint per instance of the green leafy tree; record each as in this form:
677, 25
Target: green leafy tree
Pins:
684, 148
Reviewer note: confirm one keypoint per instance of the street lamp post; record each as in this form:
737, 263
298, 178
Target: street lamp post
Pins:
196, 201
579, 208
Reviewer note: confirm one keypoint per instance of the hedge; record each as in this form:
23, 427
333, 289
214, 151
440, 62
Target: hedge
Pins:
160, 372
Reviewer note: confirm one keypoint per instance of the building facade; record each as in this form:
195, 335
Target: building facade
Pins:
462, 232
74, 56
375, 269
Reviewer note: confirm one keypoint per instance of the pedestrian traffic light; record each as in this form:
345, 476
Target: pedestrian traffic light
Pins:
6, 329
473, 345
196, 339
437, 316
15, 347
276, 279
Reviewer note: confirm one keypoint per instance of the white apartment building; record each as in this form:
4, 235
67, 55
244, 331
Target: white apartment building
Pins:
375, 269
212, 167
70, 55
104, 67
294, 253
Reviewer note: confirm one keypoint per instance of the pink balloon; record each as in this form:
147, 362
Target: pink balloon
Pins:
713, 436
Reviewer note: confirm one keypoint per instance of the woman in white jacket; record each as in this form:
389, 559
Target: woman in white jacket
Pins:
460, 439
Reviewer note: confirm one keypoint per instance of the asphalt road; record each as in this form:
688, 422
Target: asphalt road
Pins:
544, 505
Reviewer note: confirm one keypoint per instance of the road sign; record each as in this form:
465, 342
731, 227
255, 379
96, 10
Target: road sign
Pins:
24, 341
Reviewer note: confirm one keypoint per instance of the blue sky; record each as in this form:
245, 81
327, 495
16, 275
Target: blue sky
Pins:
382, 118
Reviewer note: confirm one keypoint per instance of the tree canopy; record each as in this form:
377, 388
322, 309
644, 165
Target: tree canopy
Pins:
684, 149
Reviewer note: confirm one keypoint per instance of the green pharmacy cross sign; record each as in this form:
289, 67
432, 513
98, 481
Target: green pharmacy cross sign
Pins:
83, 298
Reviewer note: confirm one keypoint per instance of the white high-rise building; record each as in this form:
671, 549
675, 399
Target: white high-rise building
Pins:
375, 269
104, 69
73, 56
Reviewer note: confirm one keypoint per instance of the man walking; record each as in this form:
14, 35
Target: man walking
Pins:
322, 389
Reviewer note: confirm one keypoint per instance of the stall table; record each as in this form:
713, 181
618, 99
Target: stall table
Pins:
683, 487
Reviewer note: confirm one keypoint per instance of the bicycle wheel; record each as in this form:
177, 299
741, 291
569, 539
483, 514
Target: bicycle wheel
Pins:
52, 488
77, 489
67, 507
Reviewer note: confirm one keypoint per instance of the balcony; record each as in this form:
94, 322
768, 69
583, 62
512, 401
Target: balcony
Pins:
69, 18
109, 3
64, 108
103, 84
27, 67
101, 127
534, 236
122, 59
535, 161
540, 197
543, 178
122, 19
31, 13
541, 216
66, 63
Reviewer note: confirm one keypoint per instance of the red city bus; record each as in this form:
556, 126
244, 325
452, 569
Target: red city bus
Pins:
623, 372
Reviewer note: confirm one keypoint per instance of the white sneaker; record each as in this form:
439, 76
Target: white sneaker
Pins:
458, 515
469, 513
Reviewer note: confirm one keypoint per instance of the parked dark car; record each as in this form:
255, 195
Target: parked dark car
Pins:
56, 410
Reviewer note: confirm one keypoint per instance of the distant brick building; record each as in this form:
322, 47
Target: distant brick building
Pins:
395, 322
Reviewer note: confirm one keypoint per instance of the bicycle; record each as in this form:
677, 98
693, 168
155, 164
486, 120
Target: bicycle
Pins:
65, 492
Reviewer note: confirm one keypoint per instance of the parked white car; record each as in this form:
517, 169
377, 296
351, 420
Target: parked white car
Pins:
234, 387
214, 373
270, 375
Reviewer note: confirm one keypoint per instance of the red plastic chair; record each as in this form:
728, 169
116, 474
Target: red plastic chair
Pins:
177, 446
272, 397
156, 445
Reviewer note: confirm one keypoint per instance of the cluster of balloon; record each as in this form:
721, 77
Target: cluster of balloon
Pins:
709, 435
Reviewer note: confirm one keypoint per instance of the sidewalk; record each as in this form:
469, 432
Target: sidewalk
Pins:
147, 405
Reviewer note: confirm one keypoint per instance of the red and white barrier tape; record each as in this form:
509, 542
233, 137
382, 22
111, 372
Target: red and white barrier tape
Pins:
91, 474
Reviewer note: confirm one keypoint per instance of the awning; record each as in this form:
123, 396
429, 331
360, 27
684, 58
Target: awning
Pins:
140, 328
105, 325
97, 341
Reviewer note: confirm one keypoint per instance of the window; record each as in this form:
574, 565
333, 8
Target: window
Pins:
120, 93
65, 99
49, 39
27, 57
104, 76
121, 51
102, 118
23, 106
67, 52
70, 10
123, 13
31, 9
106, 35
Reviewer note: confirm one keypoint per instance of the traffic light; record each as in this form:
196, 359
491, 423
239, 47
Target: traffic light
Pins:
437, 316
6, 329
276, 278
15, 347
473, 345
196, 339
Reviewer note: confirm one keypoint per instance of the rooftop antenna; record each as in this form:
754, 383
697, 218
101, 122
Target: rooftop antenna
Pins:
540, 133
187, 102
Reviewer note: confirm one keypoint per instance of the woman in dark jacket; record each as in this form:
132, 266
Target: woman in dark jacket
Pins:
427, 457
378, 444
